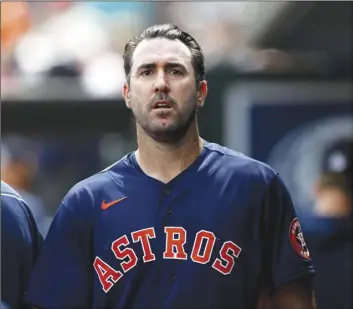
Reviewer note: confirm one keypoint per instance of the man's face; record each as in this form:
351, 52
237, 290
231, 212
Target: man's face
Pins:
162, 92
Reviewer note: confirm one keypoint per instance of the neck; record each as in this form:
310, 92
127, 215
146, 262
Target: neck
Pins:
164, 161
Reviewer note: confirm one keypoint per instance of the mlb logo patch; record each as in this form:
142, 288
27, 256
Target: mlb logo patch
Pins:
297, 239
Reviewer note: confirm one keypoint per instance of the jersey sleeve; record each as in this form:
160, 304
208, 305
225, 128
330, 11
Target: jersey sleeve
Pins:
62, 276
286, 255
20, 243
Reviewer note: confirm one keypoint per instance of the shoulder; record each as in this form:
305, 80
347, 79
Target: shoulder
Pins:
234, 163
8, 191
16, 216
95, 187
12, 203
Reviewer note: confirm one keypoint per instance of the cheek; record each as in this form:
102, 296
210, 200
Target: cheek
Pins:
185, 92
140, 94
187, 99
137, 106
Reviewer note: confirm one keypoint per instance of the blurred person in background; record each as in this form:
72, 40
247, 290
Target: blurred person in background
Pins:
19, 166
330, 235
20, 245
133, 235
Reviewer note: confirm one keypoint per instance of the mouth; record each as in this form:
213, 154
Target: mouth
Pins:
162, 105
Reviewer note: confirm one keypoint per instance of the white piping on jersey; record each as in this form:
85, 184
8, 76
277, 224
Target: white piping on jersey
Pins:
14, 196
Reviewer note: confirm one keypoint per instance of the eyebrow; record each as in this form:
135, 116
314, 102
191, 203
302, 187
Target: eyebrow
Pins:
152, 65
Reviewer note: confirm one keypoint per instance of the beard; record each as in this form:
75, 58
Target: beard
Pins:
173, 132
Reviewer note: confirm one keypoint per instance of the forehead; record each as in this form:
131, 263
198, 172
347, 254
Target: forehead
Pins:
161, 50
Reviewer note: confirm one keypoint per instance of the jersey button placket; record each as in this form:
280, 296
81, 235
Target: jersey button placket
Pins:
166, 191
167, 197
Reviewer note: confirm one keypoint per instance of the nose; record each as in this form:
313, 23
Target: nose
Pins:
161, 83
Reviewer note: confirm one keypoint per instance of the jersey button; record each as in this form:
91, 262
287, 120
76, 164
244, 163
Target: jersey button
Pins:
169, 210
173, 278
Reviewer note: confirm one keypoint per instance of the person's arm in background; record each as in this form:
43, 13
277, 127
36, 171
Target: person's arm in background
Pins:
287, 264
20, 244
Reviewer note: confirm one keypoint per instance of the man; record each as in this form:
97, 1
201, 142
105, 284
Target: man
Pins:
180, 222
330, 233
20, 244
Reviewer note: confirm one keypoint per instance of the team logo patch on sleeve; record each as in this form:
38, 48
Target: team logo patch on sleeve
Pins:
297, 239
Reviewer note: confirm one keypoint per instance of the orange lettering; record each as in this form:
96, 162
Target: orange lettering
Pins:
105, 273
174, 243
227, 257
122, 254
210, 241
144, 236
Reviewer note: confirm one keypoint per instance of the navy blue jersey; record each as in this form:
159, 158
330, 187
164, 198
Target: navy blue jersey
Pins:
20, 244
209, 238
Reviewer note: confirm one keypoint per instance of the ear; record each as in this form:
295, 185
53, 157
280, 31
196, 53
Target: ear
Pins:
126, 95
201, 94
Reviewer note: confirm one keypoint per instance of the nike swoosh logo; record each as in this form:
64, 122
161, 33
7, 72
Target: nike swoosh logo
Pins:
105, 205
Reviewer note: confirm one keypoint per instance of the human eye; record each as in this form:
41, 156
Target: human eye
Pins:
146, 72
176, 72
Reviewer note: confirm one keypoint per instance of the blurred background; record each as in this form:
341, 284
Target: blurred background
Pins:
279, 75
280, 90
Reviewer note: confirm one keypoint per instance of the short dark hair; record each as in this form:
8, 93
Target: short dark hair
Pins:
171, 32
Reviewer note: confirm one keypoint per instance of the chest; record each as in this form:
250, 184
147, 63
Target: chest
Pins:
195, 222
